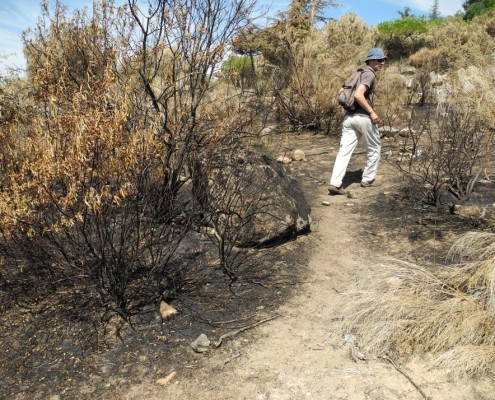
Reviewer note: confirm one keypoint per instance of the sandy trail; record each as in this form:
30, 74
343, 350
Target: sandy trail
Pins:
302, 354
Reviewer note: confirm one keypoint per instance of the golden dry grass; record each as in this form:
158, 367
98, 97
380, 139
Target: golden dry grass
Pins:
404, 309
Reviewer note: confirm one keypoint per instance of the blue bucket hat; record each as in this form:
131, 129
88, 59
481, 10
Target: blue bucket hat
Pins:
375, 54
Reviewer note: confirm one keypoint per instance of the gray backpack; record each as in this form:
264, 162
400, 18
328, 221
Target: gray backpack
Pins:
348, 89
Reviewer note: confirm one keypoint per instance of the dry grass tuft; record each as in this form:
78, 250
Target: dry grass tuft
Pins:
468, 361
404, 309
476, 272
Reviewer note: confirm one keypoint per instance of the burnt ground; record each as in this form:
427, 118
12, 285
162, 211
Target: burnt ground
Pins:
47, 356
47, 352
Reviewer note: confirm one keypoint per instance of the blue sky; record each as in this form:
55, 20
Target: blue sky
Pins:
18, 15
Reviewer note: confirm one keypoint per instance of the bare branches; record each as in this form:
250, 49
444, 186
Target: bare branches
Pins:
445, 150
117, 124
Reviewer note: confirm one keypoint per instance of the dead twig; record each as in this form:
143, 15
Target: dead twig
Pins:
407, 376
244, 328
232, 358
317, 154
229, 321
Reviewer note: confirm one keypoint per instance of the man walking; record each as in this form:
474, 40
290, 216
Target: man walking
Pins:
360, 122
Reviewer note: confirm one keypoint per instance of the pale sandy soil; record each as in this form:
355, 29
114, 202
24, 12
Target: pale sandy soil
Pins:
302, 354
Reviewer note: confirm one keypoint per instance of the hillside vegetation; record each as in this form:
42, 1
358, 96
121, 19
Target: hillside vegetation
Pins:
109, 137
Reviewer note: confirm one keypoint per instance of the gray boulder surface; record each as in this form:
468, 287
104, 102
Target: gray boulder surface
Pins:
254, 200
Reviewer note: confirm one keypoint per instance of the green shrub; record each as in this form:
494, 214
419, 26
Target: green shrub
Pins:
403, 37
239, 70
403, 26
479, 8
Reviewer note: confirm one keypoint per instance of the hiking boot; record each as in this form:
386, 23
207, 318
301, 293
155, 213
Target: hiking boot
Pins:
336, 190
367, 184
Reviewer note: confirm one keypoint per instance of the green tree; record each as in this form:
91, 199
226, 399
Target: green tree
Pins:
239, 70
469, 3
247, 43
434, 10
474, 8
405, 13
403, 37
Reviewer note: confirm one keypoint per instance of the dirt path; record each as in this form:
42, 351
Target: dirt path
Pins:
301, 354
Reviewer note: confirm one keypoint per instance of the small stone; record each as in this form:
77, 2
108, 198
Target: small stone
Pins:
349, 338
167, 310
167, 379
351, 194
267, 130
298, 155
325, 203
201, 344
283, 160
355, 354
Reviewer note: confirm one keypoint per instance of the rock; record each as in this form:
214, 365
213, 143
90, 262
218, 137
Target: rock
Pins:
167, 379
407, 71
265, 135
352, 194
355, 354
437, 79
349, 338
190, 245
407, 75
388, 131
298, 155
417, 153
325, 203
255, 199
166, 310
283, 160
201, 344
267, 130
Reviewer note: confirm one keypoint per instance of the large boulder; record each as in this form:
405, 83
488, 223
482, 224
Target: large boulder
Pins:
253, 199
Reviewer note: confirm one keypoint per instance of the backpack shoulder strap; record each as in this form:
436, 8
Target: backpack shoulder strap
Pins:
372, 88
368, 68
354, 79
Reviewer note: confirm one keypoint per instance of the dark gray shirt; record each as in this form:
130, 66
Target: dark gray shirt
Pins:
368, 79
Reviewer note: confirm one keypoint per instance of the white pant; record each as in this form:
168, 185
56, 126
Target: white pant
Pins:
353, 127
